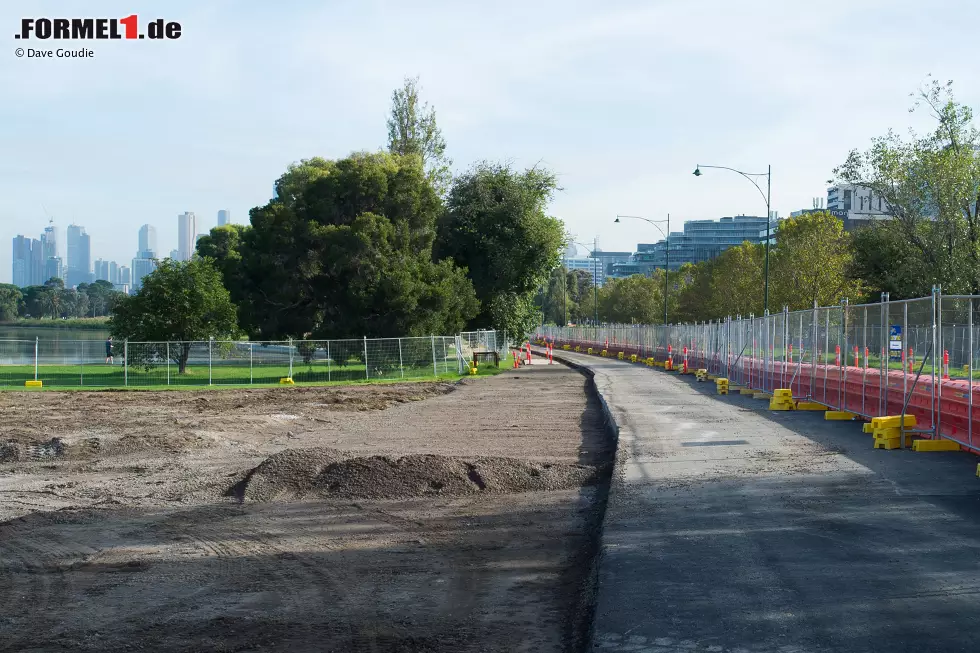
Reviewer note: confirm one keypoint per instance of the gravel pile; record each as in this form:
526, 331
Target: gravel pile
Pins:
328, 473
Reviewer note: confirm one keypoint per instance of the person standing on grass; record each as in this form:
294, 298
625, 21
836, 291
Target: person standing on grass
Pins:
108, 351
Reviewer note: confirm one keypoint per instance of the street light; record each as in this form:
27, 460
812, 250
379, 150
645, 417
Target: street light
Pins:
595, 277
666, 250
767, 197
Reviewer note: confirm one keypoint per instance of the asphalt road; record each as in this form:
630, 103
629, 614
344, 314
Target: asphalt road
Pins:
731, 528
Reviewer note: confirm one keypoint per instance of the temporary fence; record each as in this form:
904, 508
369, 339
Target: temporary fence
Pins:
914, 356
74, 363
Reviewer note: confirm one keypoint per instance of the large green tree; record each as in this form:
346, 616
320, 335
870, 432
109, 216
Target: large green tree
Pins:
811, 262
931, 184
180, 302
635, 299
10, 297
344, 252
495, 226
413, 131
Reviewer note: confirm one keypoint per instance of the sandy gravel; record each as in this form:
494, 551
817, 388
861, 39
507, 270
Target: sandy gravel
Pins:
413, 517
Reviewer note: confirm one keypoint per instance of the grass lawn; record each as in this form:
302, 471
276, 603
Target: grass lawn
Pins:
98, 376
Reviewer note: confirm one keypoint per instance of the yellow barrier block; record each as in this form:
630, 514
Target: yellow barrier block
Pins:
762, 395
721, 385
604, 353
286, 381
566, 347
839, 416
632, 358
590, 350
869, 427
746, 391
577, 348
893, 421
978, 470
935, 445
783, 393
888, 445
809, 405
701, 375
33, 384
621, 356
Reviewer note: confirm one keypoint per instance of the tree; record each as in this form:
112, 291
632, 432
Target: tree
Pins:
347, 254
885, 261
736, 281
10, 298
495, 226
552, 295
695, 300
811, 261
412, 131
580, 294
931, 185
179, 302
635, 299
223, 245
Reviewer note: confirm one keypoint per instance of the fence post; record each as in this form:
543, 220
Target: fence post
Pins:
168, 362
841, 388
886, 357
366, 374
126, 361
937, 309
291, 358
251, 369
210, 347
969, 421
328, 361
36, 339
401, 363
435, 370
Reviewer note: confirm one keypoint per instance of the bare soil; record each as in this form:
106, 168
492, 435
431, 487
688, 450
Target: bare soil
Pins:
415, 517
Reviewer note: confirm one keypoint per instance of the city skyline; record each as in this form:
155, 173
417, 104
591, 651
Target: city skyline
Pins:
35, 260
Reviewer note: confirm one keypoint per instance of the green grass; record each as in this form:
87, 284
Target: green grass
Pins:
103, 377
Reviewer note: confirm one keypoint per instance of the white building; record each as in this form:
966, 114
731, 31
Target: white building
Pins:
224, 217
148, 238
186, 235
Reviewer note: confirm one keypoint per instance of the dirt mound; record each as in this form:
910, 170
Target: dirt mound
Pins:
328, 473
12, 451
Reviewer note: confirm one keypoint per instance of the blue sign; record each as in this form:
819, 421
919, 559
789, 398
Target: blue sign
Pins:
895, 338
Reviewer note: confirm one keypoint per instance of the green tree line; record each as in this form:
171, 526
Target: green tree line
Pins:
931, 184
53, 300
377, 244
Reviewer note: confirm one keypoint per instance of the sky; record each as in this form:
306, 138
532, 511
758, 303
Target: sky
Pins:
620, 99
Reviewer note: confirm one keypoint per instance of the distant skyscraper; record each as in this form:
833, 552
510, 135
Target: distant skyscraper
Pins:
49, 240
275, 193
22, 272
175, 255
224, 217
79, 256
101, 270
37, 262
125, 277
141, 268
113, 272
148, 239
53, 269
186, 235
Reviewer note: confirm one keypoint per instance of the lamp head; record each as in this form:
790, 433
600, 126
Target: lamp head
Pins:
616, 220
697, 171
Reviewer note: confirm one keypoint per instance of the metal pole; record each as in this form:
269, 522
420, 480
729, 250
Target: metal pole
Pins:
886, 357
168, 362
210, 347
366, 374
666, 265
842, 388
328, 361
435, 370
126, 361
768, 225
251, 367
290, 358
936, 341
595, 280
969, 421
864, 369
905, 338
36, 339
401, 363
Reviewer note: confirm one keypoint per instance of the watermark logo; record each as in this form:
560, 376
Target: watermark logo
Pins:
97, 29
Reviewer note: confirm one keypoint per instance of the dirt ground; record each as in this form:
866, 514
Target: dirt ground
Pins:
416, 517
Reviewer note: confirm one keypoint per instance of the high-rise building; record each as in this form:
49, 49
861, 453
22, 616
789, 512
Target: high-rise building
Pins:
125, 278
224, 217
49, 240
53, 269
101, 270
79, 256
186, 235
37, 262
22, 273
141, 268
175, 255
148, 239
113, 272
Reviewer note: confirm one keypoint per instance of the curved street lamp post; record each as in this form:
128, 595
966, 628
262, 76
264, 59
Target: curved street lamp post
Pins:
595, 278
767, 197
666, 236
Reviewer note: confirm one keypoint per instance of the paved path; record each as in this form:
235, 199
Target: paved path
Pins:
733, 528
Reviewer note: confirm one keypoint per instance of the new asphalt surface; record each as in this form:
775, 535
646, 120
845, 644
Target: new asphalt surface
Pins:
731, 528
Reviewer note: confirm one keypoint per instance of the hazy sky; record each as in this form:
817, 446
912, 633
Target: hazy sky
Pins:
620, 99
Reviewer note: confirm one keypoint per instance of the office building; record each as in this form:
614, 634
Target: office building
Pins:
37, 262
855, 206
106, 271
79, 256
121, 287
186, 235
148, 239
53, 269
701, 240
49, 241
589, 265
23, 275
141, 268
224, 217
175, 255
125, 277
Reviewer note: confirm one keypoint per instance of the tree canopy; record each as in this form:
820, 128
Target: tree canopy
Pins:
180, 301
412, 131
